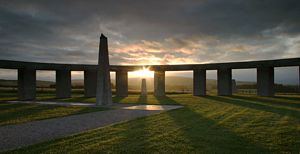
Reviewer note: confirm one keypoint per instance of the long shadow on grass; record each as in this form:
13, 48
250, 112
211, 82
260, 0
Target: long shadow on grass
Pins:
282, 101
71, 99
142, 99
118, 99
291, 98
45, 95
8, 95
135, 138
249, 103
9, 106
21, 111
160, 99
205, 135
165, 100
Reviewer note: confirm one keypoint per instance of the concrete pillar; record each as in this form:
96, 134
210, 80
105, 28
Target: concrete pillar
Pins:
159, 83
224, 81
103, 94
26, 84
265, 81
199, 82
122, 83
144, 88
90, 80
63, 83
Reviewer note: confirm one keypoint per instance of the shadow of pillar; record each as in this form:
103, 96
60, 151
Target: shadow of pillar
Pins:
207, 136
143, 99
118, 99
248, 103
165, 100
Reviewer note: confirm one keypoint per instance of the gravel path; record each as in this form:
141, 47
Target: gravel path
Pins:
15, 136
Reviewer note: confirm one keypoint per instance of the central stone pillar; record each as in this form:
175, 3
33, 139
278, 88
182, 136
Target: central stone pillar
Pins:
26, 84
143, 88
159, 83
90, 80
224, 81
122, 83
199, 82
103, 95
265, 81
63, 84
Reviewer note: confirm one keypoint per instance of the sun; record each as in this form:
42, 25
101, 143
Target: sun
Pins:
143, 73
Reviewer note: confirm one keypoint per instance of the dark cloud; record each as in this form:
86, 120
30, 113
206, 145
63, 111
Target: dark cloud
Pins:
182, 31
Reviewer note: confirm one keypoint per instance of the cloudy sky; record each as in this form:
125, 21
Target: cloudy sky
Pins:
152, 32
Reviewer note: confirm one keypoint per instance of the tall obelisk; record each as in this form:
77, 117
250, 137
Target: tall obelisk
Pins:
103, 95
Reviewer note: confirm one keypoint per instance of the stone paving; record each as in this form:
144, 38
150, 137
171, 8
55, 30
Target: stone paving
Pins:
16, 136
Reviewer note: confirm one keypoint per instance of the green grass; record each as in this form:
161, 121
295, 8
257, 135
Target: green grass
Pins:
20, 113
211, 124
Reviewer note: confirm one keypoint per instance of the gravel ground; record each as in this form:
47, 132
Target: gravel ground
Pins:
16, 136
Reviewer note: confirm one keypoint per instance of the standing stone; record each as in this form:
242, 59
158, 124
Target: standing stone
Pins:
265, 81
122, 83
144, 88
224, 76
90, 80
26, 84
63, 83
199, 81
159, 83
103, 96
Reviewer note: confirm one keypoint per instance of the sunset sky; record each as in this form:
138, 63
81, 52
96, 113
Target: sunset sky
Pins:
152, 32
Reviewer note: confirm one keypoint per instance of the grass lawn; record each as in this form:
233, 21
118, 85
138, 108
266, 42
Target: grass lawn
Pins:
20, 113
211, 124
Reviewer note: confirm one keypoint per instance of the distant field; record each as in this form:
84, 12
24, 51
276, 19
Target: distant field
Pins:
211, 124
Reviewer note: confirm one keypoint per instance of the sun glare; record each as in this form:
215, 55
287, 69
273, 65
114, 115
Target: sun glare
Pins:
144, 73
